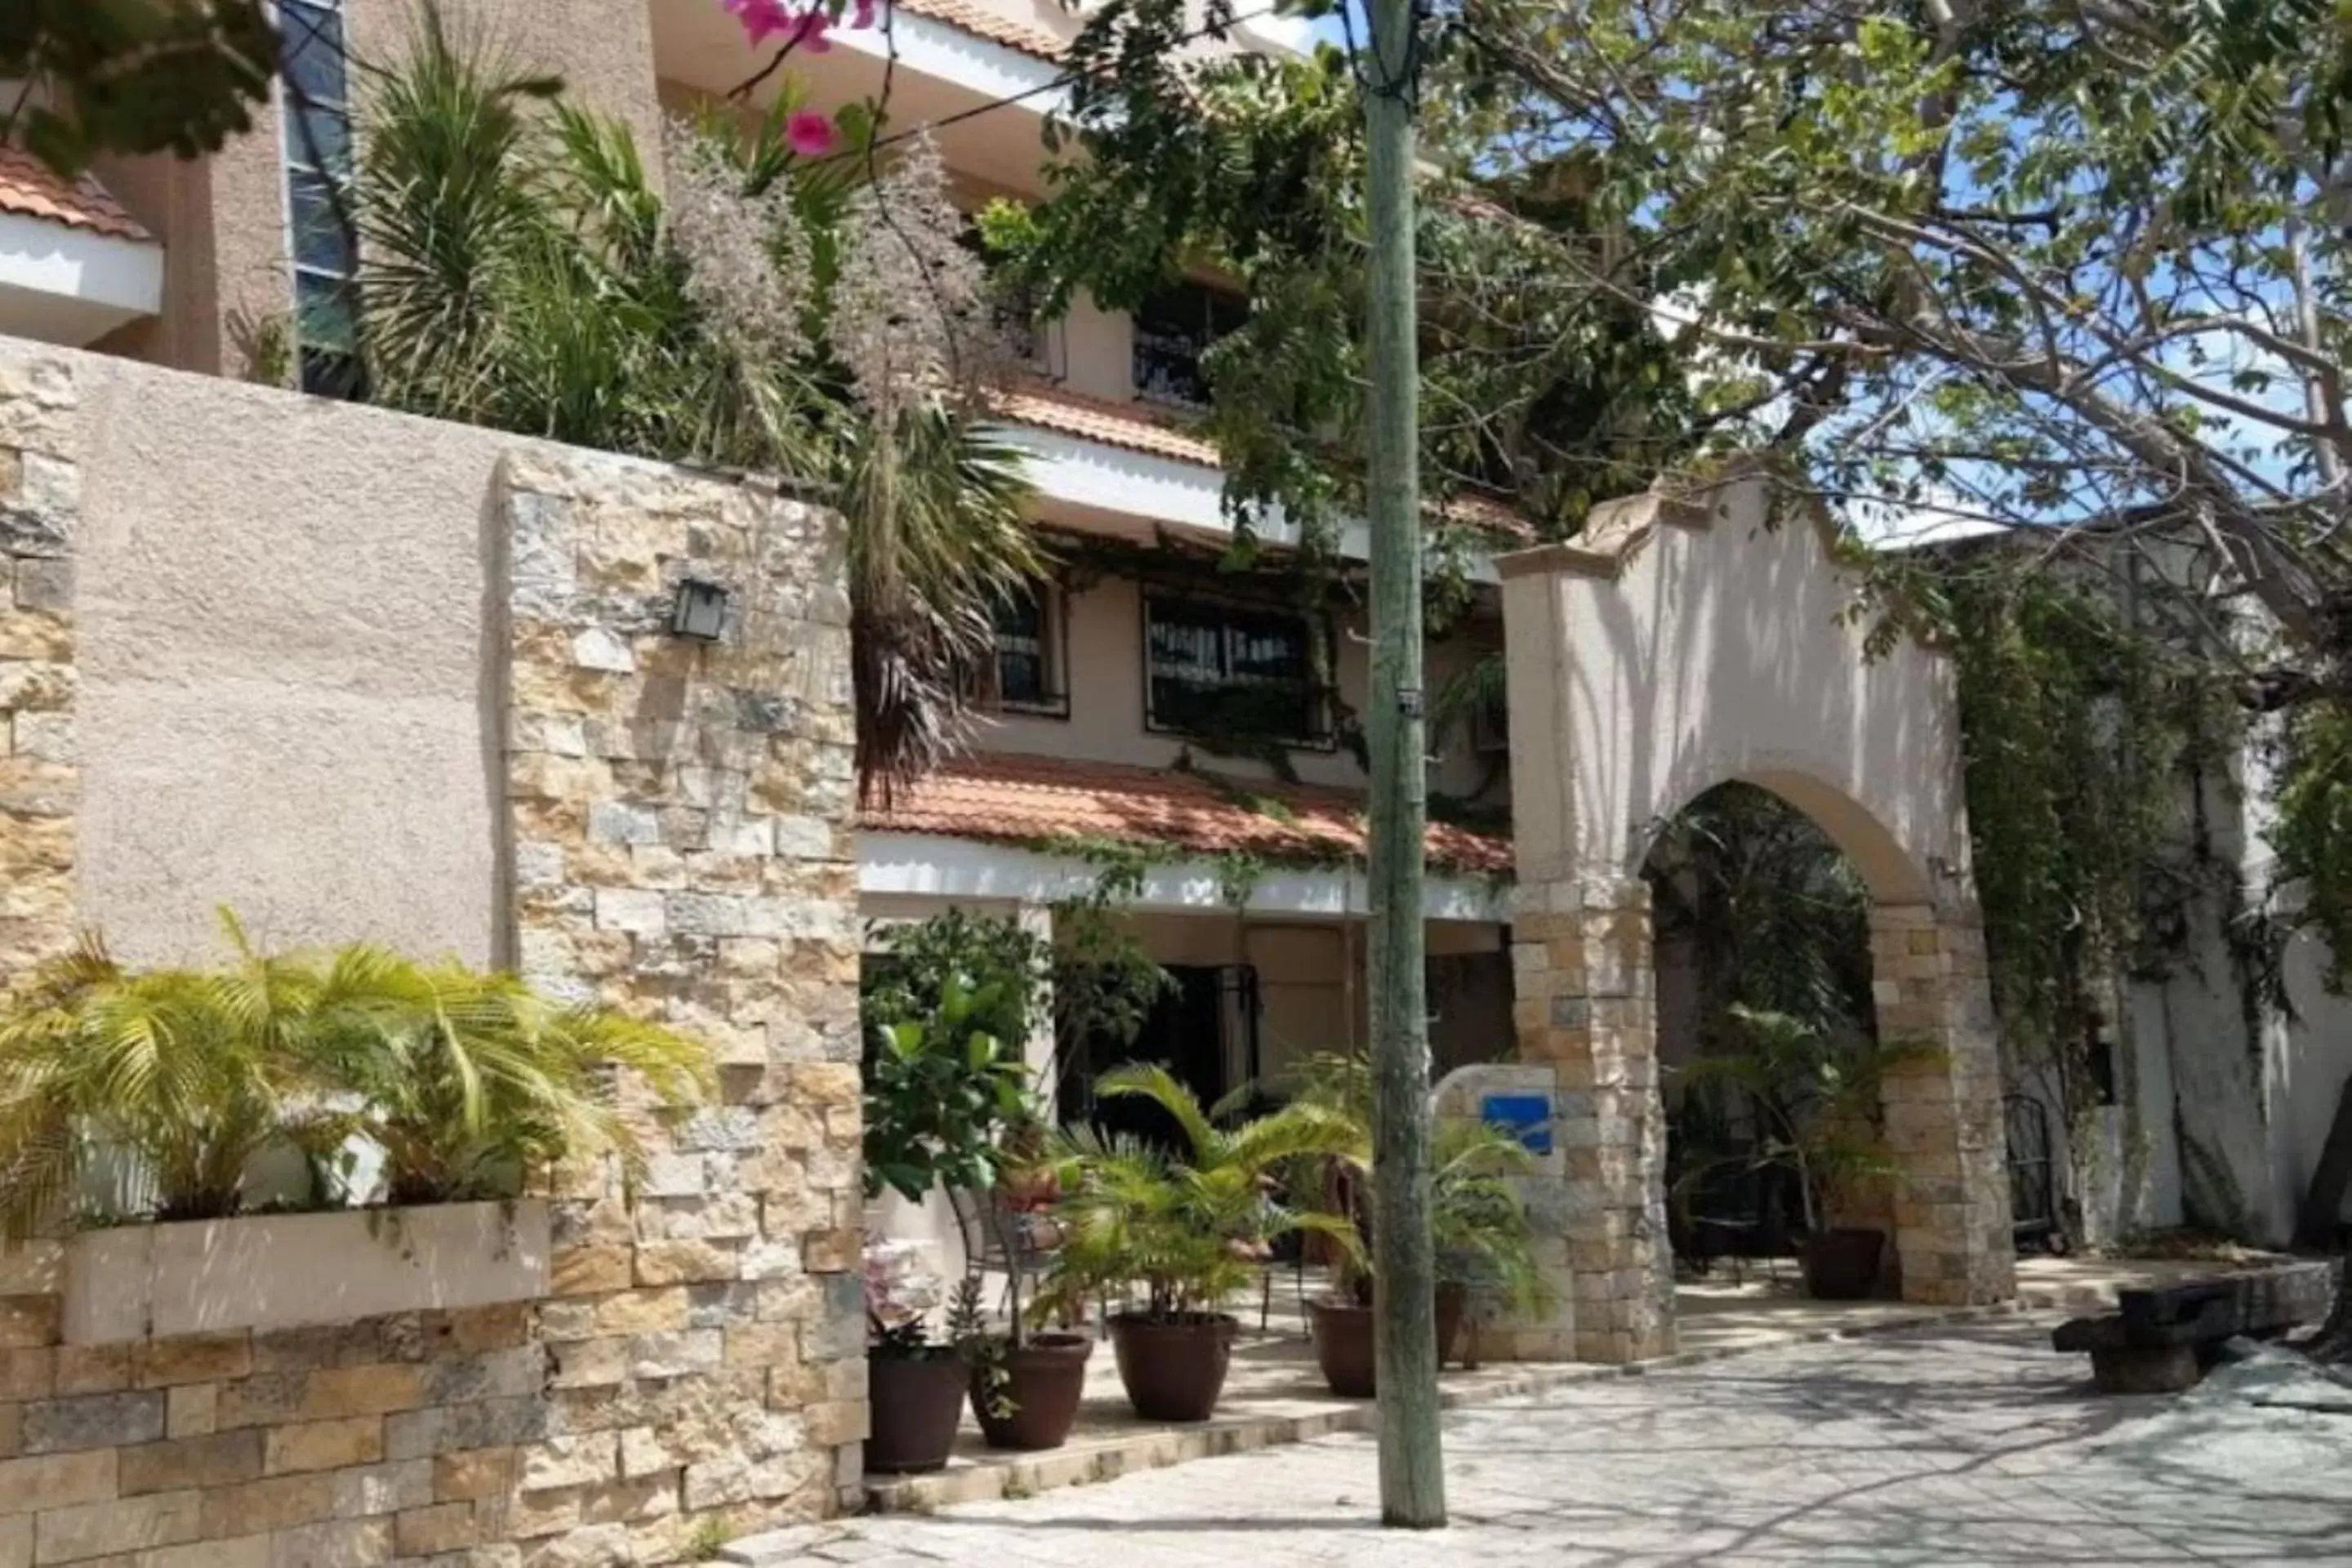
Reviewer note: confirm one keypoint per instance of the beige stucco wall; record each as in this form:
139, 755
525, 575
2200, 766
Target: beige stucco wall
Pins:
1670, 650
282, 706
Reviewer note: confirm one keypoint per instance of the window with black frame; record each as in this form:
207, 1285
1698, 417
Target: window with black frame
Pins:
318, 157
1029, 666
1172, 330
1225, 670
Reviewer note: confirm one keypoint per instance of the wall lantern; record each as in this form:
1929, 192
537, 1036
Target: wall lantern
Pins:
699, 611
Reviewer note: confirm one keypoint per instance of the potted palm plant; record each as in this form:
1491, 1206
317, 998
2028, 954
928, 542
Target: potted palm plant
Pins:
1817, 1103
1187, 1226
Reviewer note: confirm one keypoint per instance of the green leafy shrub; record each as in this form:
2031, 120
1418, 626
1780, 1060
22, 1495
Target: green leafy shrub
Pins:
946, 1020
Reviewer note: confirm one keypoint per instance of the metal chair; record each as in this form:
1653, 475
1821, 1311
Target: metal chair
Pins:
992, 1241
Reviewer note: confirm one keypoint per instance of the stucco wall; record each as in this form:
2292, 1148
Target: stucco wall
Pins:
285, 669
1692, 645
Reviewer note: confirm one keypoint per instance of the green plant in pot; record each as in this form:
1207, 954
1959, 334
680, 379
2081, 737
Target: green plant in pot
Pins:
1818, 1104
1477, 1227
944, 1076
177, 1085
1027, 1383
1187, 1227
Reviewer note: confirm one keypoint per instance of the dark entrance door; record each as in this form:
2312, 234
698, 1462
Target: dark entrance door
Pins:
1204, 1030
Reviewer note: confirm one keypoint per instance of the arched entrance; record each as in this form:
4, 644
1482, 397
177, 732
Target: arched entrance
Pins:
1679, 643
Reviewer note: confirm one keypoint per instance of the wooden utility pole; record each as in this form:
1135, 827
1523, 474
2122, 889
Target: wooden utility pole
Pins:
1413, 1470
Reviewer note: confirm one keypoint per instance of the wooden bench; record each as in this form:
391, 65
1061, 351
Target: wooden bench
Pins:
2160, 1340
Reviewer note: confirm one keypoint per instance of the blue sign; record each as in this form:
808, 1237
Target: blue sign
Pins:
1525, 1117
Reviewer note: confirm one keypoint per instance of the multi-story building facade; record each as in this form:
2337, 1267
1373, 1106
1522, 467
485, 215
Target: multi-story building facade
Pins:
1107, 685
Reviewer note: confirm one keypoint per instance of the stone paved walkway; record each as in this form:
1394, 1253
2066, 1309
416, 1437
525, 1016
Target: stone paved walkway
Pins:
1964, 1444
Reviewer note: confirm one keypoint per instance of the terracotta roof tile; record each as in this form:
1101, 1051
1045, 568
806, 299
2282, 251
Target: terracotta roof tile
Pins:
29, 189
1023, 800
1140, 427
1137, 426
981, 22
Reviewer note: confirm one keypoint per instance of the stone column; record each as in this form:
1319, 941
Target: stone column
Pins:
41, 503
1586, 1008
1943, 1129
681, 847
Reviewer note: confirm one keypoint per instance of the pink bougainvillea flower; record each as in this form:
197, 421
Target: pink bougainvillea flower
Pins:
762, 19
809, 134
808, 32
863, 16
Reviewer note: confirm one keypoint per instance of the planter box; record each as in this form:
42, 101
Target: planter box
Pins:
284, 1271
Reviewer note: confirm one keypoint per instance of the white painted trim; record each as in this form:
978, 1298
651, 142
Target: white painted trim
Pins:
944, 52
41, 256
926, 865
1163, 491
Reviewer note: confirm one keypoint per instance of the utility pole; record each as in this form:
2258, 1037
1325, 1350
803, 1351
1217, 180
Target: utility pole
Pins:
1413, 1470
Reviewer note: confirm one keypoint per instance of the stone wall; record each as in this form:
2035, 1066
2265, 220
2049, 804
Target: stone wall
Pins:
1586, 1010
682, 849
40, 487
673, 838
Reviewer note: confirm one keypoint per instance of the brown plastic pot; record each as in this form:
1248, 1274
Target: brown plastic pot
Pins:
1452, 1300
1841, 1264
1045, 1380
1343, 1347
916, 1401
1344, 1340
1173, 1368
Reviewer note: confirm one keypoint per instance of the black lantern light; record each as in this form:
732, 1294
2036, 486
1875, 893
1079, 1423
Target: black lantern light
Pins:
699, 611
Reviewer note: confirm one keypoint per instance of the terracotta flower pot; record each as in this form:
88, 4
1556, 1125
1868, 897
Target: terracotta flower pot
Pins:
1045, 1380
1173, 1369
1841, 1264
1344, 1340
1343, 1347
916, 1401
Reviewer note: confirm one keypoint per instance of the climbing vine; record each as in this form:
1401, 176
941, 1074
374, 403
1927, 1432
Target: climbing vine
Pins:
2312, 834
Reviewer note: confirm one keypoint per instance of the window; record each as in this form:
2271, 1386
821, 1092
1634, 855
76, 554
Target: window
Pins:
316, 107
1173, 330
1219, 670
1012, 311
1029, 663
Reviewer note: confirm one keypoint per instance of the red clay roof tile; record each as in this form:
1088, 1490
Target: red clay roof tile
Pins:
1030, 801
981, 22
1139, 427
29, 189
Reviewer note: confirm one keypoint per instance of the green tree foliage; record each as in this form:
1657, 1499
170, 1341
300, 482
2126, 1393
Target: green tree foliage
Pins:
2077, 271
520, 270
132, 76
1250, 171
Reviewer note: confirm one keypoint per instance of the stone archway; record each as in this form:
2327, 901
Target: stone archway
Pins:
1680, 642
